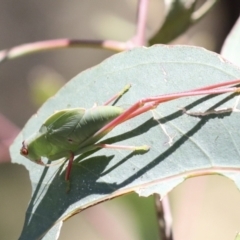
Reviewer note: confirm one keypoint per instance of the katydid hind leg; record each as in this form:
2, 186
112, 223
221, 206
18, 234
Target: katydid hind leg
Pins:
226, 84
147, 104
69, 167
118, 95
143, 148
68, 170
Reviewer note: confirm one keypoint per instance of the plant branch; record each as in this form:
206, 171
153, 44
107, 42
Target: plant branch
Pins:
30, 48
140, 37
164, 217
41, 46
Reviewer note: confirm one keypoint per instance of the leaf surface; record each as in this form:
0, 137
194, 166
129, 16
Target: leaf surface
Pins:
181, 145
179, 11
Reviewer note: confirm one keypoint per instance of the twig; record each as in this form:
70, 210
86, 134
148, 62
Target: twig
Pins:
140, 37
164, 217
30, 48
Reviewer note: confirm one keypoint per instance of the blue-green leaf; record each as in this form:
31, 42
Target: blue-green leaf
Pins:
181, 144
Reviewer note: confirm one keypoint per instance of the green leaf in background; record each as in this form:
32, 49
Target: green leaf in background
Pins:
44, 82
180, 12
237, 236
180, 144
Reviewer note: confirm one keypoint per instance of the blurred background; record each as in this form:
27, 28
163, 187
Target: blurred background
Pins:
212, 214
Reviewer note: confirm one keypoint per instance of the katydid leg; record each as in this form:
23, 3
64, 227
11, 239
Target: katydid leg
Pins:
122, 147
143, 148
147, 104
218, 85
69, 166
118, 95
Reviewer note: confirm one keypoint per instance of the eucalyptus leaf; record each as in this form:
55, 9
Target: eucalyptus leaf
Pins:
180, 144
179, 16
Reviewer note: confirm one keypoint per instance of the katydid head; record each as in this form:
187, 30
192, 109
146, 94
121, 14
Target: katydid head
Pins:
31, 155
35, 147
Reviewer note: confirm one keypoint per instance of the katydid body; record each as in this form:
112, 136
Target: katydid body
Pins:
71, 132
67, 130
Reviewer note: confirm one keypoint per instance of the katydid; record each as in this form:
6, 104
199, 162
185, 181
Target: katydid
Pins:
75, 131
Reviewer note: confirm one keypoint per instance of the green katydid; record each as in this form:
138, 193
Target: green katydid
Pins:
75, 131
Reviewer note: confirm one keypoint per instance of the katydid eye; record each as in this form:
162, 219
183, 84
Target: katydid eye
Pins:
24, 150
